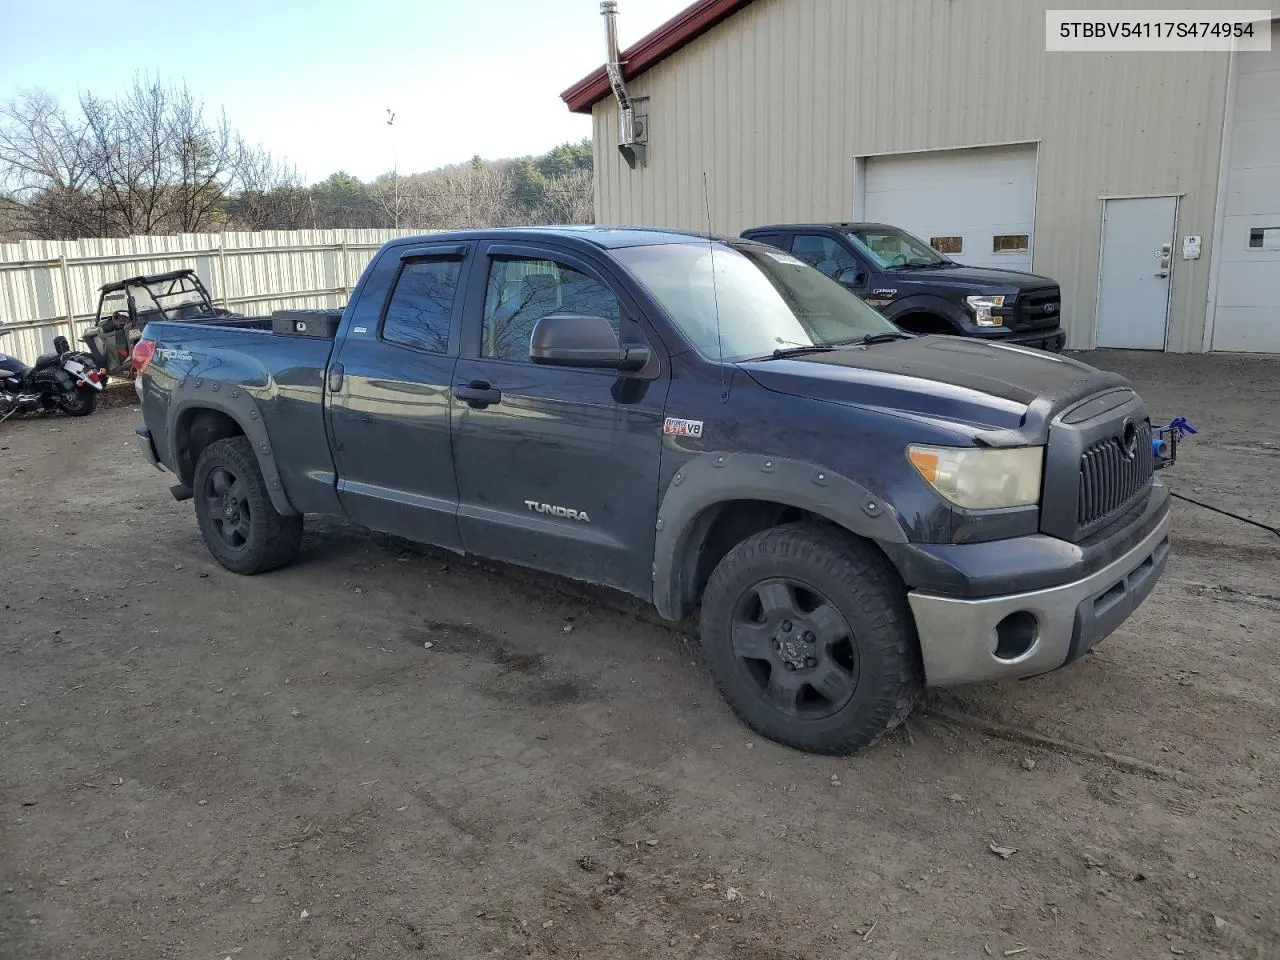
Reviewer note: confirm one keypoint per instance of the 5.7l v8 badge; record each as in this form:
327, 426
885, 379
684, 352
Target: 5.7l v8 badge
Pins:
675, 427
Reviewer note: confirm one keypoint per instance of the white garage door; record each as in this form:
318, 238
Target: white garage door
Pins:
975, 205
1247, 316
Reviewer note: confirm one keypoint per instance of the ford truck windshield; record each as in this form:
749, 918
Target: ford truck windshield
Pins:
890, 247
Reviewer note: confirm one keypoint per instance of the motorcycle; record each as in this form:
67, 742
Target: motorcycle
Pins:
64, 380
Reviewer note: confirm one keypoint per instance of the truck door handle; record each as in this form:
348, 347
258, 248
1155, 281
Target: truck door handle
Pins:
336, 371
478, 394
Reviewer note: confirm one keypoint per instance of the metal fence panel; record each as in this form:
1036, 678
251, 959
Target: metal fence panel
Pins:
50, 287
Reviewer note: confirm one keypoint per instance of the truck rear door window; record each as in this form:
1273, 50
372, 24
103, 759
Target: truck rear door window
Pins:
421, 305
523, 291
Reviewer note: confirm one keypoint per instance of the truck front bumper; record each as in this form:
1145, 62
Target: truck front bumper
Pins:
1023, 634
1052, 339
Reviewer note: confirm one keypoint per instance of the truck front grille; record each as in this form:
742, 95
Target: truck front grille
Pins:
1039, 308
1110, 477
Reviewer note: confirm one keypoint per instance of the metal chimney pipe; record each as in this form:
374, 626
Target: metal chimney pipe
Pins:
613, 67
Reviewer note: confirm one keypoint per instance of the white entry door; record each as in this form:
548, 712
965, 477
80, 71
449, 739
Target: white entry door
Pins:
1137, 263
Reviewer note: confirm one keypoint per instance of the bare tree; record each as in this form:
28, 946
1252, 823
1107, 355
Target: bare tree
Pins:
44, 162
13, 222
569, 198
394, 199
156, 163
148, 161
489, 196
271, 195
209, 158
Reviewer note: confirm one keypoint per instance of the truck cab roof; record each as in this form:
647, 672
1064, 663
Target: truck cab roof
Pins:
602, 237
843, 225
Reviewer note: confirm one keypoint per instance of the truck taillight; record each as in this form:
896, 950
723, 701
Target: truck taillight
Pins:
143, 351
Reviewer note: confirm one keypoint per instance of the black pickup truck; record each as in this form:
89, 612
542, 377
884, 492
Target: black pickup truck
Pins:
920, 289
709, 424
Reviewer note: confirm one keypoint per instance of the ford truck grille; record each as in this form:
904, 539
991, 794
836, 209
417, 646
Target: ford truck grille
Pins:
1039, 308
1111, 476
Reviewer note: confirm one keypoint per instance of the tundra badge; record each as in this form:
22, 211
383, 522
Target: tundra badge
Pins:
567, 512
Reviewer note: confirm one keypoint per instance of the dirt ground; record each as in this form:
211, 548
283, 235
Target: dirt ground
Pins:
199, 765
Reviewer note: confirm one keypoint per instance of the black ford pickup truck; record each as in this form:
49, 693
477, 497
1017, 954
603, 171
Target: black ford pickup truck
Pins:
920, 289
711, 425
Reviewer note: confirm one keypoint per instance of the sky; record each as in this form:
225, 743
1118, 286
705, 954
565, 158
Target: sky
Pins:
312, 80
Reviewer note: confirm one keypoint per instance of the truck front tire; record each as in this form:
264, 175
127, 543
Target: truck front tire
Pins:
238, 522
809, 637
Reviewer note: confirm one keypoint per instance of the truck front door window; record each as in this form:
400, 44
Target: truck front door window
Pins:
421, 305
522, 291
821, 252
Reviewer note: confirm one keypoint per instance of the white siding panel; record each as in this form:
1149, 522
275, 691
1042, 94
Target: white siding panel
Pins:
776, 101
1247, 308
1252, 191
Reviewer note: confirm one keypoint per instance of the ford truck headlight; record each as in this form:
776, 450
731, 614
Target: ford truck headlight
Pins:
982, 307
981, 478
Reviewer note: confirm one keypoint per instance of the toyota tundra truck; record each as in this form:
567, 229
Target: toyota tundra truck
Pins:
853, 512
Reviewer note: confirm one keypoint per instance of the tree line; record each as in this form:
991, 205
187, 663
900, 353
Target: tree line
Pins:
151, 161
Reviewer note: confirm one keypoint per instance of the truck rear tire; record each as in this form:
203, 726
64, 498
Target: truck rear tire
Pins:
238, 522
809, 637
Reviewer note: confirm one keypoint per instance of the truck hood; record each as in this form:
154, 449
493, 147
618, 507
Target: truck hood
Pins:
985, 279
983, 386
974, 275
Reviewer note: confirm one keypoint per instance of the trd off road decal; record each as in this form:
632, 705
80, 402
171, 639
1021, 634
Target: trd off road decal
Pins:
675, 427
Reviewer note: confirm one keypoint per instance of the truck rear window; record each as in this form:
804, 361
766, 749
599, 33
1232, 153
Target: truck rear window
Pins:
422, 304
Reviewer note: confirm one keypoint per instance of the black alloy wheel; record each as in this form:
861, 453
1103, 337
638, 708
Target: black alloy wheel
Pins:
239, 523
808, 634
228, 507
795, 647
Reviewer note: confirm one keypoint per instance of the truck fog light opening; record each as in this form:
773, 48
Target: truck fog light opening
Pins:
1016, 634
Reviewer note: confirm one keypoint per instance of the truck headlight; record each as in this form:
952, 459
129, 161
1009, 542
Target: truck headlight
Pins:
981, 478
981, 307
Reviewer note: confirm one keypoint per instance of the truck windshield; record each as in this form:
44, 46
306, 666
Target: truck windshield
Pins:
764, 300
890, 247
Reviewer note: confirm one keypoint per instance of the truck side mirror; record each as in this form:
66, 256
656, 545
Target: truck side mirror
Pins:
571, 340
851, 277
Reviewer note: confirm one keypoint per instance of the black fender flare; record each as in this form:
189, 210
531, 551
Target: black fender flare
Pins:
195, 393
711, 479
929, 303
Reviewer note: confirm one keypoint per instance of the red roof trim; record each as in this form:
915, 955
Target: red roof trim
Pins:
684, 27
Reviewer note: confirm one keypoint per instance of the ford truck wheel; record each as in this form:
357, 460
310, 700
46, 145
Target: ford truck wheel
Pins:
808, 636
239, 525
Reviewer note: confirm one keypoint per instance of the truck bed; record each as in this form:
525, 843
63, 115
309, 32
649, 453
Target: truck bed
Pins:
321, 323
283, 376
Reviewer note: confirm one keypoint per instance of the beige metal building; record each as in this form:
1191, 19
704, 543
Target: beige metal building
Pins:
950, 119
